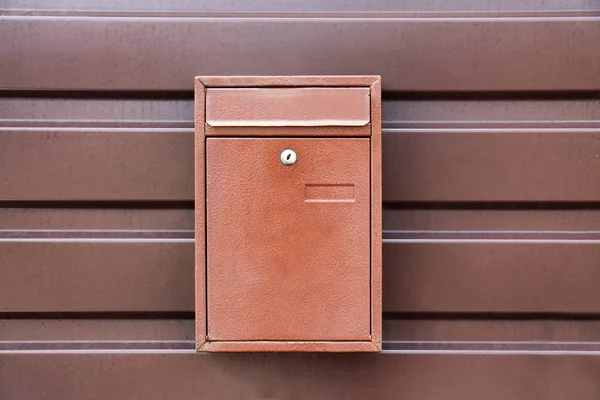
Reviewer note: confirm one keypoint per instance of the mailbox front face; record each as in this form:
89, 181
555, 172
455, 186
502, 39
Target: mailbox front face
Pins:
285, 221
288, 246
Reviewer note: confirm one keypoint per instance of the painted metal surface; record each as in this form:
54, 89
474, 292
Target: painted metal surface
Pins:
289, 249
490, 179
163, 374
498, 52
146, 269
283, 265
300, 106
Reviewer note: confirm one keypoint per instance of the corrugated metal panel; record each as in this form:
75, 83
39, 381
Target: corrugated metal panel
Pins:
495, 263
491, 242
99, 152
477, 53
160, 375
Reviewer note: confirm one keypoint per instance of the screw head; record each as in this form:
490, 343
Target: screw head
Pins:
288, 157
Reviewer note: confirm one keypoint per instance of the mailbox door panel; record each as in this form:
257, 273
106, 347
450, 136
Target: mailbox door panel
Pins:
288, 246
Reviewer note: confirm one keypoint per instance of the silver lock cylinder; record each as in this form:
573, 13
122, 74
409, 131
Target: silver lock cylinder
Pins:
288, 157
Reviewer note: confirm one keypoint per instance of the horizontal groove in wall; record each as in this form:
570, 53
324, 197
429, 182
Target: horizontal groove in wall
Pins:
489, 316
98, 315
430, 333
99, 204
162, 95
387, 205
403, 346
125, 125
495, 347
387, 316
157, 95
492, 205
308, 6
399, 223
96, 345
57, 235
401, 236
547, 95
510, 15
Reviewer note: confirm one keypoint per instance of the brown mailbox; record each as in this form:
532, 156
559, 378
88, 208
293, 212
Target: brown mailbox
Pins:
288, 213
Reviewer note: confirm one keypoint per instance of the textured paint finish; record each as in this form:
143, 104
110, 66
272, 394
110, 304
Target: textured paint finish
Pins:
307, 106
291, 263
96, 274
281, 268
50, 164
478, 163
491, 213
497, 52
166, 375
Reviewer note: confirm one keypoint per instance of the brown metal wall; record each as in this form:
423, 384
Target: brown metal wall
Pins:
491, 153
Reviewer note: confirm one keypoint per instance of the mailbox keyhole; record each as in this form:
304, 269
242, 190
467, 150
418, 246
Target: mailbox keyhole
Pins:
288, 157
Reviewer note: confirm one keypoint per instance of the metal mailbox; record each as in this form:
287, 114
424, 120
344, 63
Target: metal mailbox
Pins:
288, 213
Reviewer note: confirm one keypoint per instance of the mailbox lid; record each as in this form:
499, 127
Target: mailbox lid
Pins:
291, 106
288, 247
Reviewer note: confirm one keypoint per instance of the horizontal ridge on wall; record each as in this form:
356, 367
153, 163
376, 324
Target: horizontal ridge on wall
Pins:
134, 51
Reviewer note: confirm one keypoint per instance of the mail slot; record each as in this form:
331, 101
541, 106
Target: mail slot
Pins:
288, 213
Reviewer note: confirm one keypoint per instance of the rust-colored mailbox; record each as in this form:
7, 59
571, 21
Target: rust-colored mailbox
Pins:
288, 213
